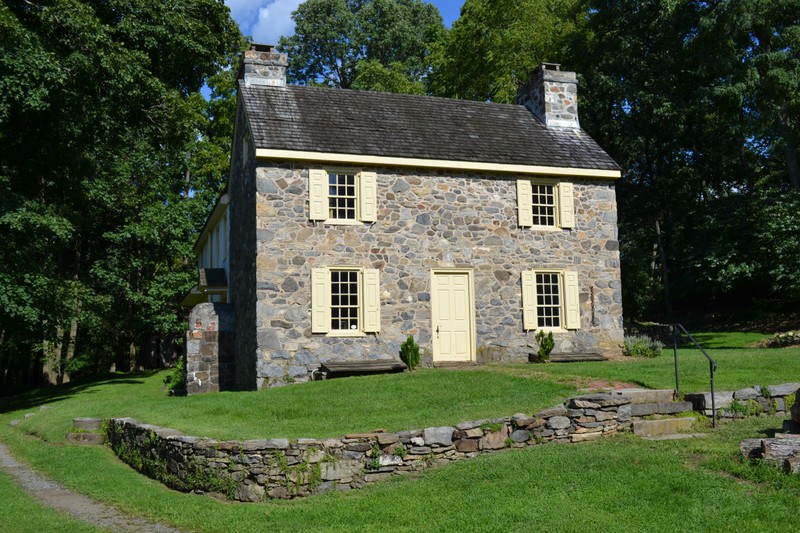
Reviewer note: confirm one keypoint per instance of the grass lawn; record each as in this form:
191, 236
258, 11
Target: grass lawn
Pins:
619, 484
19, 513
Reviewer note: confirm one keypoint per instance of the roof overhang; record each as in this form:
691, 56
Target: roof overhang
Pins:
475, 166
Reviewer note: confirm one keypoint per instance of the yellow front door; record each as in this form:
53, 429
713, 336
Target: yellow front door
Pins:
452, 309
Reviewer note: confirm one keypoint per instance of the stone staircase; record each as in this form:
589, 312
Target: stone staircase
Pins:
654, 402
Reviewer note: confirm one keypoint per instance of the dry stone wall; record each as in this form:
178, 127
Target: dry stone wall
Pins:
746, 402
253, 470
425, 221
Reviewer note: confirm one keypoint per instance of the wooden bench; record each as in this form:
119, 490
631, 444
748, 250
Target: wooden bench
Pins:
575, 357
358, 368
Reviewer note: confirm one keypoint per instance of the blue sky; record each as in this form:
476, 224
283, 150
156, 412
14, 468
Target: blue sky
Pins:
266, 20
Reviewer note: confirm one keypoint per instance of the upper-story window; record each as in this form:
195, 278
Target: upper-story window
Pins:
342, 196
545, 204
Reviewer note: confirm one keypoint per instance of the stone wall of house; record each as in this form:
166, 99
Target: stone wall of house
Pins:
281, 468
426, 220
210, 349
242, 274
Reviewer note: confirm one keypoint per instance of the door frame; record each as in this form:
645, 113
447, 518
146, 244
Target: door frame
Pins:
471, 305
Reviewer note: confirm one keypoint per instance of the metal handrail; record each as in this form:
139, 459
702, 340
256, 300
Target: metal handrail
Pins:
711, 363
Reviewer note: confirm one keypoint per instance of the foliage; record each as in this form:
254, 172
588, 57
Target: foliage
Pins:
495, 44
641, 346
99, 220
381, 45
698, 118
748, 408
176, 380
545, 343
409, 353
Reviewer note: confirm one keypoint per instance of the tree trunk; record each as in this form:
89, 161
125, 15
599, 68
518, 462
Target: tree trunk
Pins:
790, 149
52, 372
664, 273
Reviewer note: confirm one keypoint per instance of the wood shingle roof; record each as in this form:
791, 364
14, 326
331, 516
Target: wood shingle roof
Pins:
315, 119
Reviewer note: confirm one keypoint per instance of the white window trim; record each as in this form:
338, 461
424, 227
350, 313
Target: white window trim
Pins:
368, 289
569, 293
563, 199
365, 200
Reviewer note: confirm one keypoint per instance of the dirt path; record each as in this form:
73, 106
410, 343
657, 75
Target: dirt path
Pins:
76, 505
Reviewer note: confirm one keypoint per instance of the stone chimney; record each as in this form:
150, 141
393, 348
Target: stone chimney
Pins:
552, 95
264, 66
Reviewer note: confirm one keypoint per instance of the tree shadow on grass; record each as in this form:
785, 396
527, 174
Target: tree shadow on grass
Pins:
47, 395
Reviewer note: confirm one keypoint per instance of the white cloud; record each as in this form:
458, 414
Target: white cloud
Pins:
264, 20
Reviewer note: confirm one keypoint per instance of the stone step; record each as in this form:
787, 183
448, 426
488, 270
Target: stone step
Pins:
87, 424
86, 439
646, 395
667, 426
662, 408
576, 357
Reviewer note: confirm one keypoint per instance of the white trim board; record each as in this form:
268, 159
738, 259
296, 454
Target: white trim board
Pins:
355, 159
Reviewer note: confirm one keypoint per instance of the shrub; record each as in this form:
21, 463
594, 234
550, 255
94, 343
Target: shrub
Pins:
641, 346
176, 380
546, 344
409, 353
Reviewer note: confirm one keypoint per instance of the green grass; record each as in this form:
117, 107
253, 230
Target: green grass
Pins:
622, 484
319, 409
619, 484
19, 513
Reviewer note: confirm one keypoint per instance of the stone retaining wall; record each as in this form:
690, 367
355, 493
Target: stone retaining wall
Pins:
746, 402
281, 468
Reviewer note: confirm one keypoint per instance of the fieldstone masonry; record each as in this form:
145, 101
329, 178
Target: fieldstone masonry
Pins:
425, 221
209, 348
552, 95
283, 468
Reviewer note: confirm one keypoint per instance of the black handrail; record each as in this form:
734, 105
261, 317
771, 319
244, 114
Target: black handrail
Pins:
711, 363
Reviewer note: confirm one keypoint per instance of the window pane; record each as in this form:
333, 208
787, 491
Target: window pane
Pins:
344, 300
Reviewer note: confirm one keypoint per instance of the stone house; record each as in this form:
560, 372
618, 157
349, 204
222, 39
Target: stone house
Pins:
353, 219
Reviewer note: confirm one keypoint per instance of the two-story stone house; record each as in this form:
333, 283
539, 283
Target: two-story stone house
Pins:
353, 219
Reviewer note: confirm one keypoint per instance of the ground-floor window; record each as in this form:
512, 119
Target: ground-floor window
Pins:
345, 301
550, 299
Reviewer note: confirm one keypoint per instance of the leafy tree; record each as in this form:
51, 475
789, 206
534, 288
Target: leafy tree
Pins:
365, 44
100, 114
495, 44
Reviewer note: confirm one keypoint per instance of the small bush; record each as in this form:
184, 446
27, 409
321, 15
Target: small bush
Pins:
176, 380
641, 346
546, 344
409, 353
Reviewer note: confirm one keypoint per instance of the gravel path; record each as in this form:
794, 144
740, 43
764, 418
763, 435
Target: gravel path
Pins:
76, 505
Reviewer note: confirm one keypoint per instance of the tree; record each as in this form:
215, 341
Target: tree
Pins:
495, 44
100, 114
365, 44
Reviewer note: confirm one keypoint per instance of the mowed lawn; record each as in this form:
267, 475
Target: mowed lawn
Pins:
618, 484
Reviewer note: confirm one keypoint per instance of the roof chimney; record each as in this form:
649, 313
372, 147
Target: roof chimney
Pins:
264, 66
552, 95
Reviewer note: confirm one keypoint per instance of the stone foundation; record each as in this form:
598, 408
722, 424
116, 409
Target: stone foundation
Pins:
282, 468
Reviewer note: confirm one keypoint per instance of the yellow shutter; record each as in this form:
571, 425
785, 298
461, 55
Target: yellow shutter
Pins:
372, 301
368, 197
525, 203
317, 194
528, 300
572, 300
566, 205
320, 301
